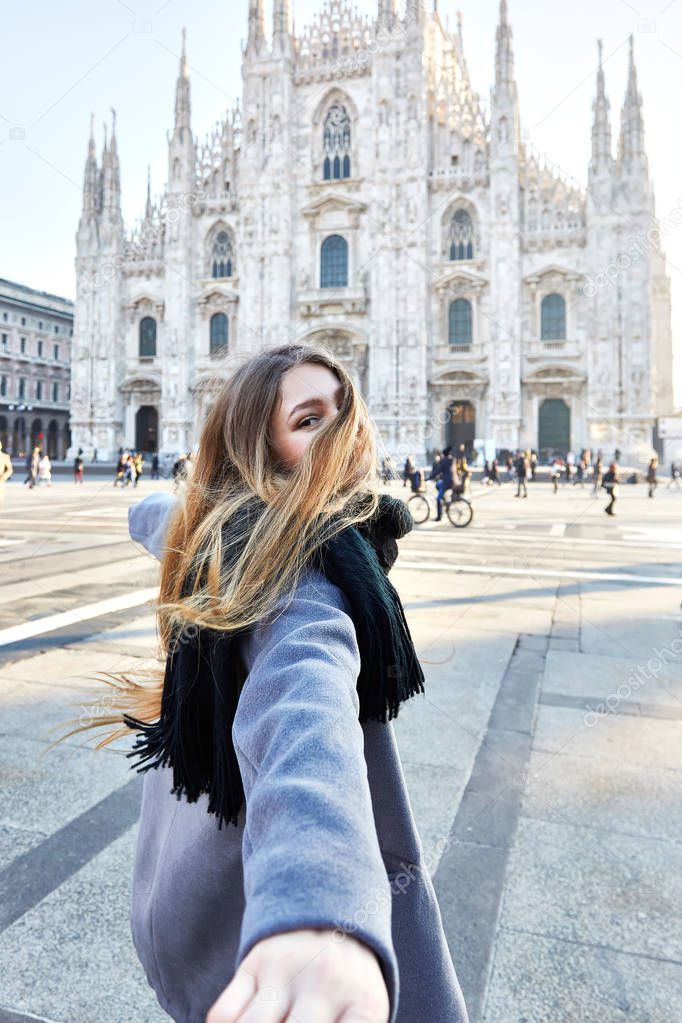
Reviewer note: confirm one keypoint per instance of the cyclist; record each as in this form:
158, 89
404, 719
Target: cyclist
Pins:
446, 478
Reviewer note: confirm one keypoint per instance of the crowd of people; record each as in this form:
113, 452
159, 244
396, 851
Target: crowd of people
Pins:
452, 472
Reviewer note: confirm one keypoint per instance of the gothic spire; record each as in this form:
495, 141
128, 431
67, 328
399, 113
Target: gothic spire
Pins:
90, 174
601, 122
504, 54
148, 206
110, 176
113, 154
256, 38
414, 12
281, 25
631, 143
182, 94
386, 13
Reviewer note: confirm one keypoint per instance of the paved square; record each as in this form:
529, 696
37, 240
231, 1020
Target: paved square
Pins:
543, 761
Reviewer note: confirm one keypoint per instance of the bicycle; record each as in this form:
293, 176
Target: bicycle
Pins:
458, 509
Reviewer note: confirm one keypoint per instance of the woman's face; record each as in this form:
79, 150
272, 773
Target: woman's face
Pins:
310, 395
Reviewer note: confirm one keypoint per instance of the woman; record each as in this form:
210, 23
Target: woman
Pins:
652, 475
316, 905
78, 467
45, 470
610, 483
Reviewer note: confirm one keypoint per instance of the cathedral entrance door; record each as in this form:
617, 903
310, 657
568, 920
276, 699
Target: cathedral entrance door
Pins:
146, 429
554, 428
460, 428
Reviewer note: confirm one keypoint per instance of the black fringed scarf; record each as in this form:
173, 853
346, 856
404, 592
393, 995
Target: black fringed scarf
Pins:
204, 672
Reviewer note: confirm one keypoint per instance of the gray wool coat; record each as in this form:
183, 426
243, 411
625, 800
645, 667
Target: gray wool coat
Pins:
326, 838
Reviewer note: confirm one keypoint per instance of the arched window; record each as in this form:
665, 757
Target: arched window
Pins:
336, 143
220, 333
553, 318
147, 346
461, 236
460, 322
221, 256
334, 262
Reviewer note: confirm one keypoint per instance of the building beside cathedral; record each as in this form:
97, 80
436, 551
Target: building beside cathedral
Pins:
362, 194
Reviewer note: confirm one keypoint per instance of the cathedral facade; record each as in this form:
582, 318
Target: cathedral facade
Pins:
362, 194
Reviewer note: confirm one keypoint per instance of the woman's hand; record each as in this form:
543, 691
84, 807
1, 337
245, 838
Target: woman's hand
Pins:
306, 976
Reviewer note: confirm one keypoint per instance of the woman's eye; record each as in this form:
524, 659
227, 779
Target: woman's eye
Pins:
307, 420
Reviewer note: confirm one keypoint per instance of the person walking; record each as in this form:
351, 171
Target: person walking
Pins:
555, 471
462, 469
674, 475
45, 470
6, 470
494, 474
598, 476
651, 475
120, 468
510, 468
408, 469
610, 484
521, 466
138, 465
533, 460
78, 464
155, 466
274, 802
32, 462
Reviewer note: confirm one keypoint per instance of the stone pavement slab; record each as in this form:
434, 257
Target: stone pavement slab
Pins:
40, 791
619, 797
611, 738
590, 886
71, 958
541, 980
618, 678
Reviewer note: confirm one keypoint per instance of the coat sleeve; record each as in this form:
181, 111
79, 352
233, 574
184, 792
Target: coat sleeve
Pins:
148, 521
311, 855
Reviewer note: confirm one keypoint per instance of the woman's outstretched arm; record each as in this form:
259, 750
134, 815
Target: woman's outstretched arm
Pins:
316, 932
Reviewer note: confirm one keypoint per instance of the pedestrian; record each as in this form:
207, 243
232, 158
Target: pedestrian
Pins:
579, 473
155, 466
533, 465
598, 476
555, 471
610, 484
521, 466
138, 464
408, 469
462, 469
45, 470
6, 470
32, 461
120, 468
510, 467
78, 464
447, 478
494, 475
651, 475
274, 803
179, 472
129, 471
674, 476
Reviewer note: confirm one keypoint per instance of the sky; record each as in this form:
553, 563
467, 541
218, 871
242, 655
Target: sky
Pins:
62, 62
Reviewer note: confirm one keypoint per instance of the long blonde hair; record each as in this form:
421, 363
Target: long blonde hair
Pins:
287, 514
